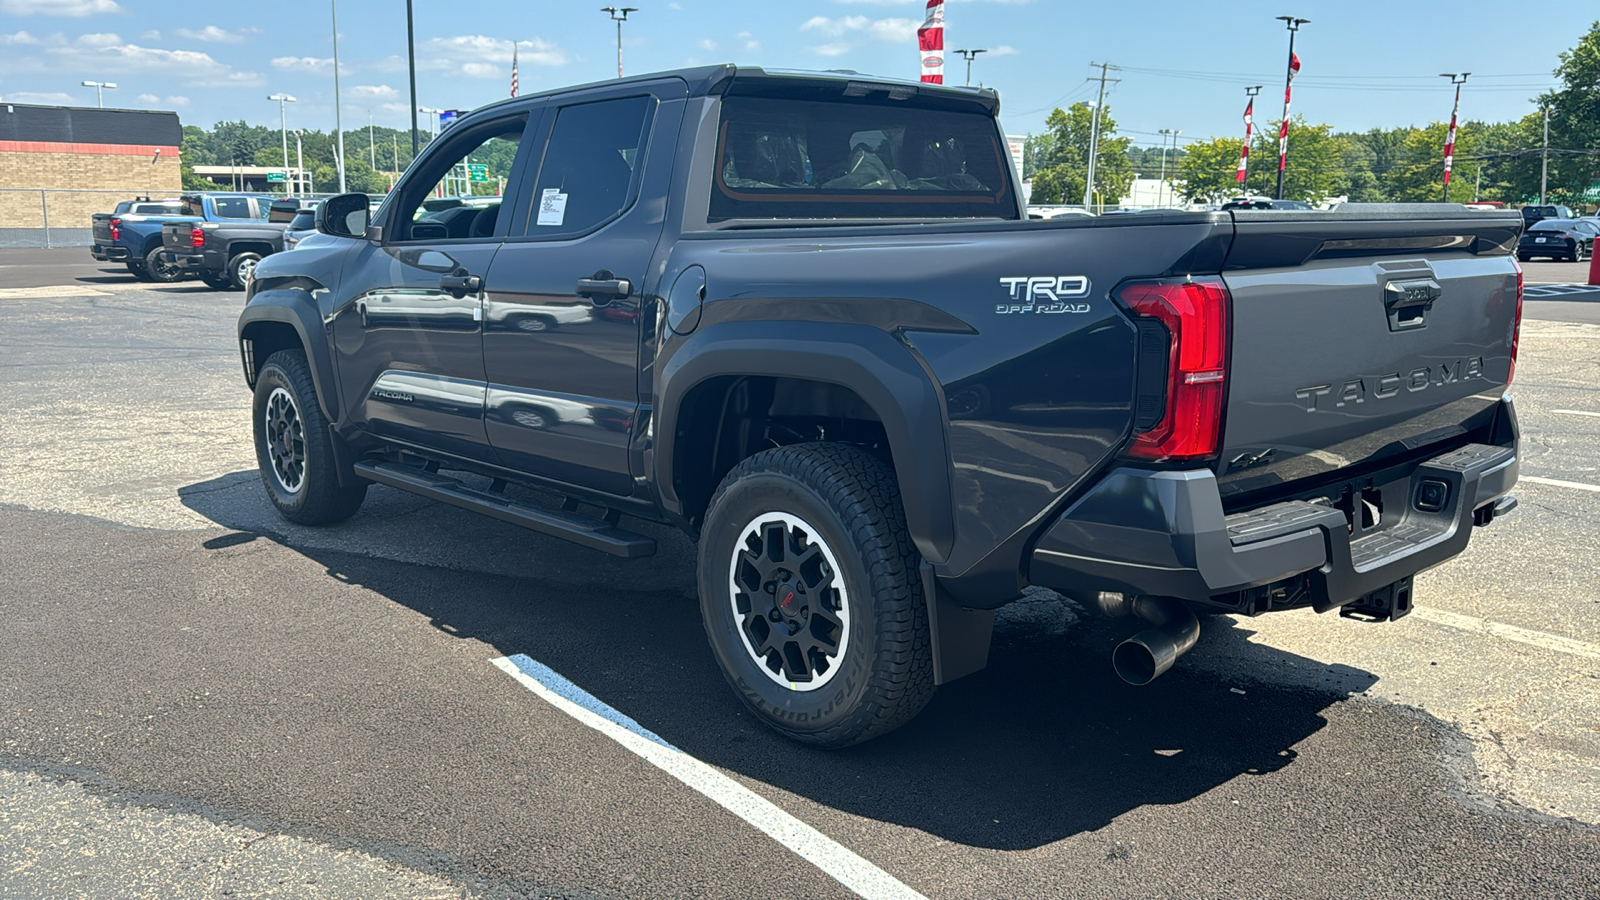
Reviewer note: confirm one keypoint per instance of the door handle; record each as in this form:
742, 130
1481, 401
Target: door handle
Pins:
603, 287
460, 284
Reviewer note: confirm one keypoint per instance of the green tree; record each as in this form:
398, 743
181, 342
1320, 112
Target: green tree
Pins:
1314, 169
1575, 122
1418, 175
1063, 165
1210, 169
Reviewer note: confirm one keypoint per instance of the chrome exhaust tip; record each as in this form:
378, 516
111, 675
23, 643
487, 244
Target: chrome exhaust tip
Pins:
1147, 655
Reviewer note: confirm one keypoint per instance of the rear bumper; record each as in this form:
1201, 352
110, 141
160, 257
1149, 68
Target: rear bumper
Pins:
109, 252
201, 261
1164, 533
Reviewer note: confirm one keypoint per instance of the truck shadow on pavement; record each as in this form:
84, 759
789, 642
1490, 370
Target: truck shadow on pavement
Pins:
1044, 744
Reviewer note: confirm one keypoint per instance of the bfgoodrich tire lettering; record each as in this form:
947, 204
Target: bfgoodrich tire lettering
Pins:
817, 496
294, 449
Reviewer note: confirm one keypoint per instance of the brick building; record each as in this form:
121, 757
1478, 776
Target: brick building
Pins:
59, 165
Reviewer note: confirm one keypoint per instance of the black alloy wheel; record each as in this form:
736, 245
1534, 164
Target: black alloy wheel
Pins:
294, 447
811, 594
160, 271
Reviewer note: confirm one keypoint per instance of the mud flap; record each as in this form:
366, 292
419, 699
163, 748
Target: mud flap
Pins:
960, 636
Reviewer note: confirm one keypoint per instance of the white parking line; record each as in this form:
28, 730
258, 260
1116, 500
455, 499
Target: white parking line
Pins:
1577, 412
1509, 632
1556, 482
833, 858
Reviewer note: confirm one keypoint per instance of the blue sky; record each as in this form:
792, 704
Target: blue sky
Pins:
1185, 64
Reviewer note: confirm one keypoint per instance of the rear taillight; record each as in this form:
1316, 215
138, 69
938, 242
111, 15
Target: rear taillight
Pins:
197, 238
1516, 327
1194, 313
116, 229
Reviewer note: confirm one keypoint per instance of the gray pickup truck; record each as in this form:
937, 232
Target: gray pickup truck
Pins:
226, 236
804, 318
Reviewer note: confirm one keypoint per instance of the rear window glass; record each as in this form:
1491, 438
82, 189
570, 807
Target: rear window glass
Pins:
303, 220
806, 159
232, 207
282, 212
1551, 225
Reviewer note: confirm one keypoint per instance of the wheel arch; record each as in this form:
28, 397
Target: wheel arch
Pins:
249, 246
817, 369
285, 320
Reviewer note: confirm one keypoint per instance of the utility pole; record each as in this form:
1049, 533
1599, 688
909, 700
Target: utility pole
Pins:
1288, 81
283, 123
394, 170
1544, 163
1094, 132
411, 59
372, 148
1162, 188
1450, 138
338, 121
100, 88
619, 15
300, 162
969, 56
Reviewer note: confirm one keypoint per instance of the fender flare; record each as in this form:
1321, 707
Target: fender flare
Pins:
298, 309
862, 358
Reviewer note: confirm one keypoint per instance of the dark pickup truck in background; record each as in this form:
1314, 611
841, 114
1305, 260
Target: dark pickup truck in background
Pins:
226, 235
804, 318
131, 234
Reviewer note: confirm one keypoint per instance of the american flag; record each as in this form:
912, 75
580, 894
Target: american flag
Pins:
930, 42
513, 68
1283, 130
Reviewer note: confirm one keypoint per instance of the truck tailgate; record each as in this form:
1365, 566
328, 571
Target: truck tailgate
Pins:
1361, 337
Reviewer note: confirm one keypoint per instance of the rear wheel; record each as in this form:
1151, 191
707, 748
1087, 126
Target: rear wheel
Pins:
294, 449
157, 269
1581, 253
218, 282
811, 595
241, 267
137, 270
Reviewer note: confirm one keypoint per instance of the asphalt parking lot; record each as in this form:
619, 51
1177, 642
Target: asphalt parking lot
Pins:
200, 699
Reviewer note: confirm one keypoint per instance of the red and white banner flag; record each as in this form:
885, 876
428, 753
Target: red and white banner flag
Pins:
1244, 149
1450, 142
930, 42
1283, 130
513, 68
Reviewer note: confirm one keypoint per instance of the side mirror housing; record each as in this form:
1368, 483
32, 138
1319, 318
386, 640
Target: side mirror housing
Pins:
344, 215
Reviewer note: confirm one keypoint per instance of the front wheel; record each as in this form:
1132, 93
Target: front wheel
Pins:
1582, 254
811, 596
294, 449
137, 269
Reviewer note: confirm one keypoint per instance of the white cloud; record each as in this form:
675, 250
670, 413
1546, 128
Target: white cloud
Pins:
148, 98
750, 42
835, 49
99, 40
151, 35
211, 34
20, 37
708, 44
371, 92
464, 48
53, 99
674, 6
177, 100
846, 29
312, 64
1002, 50
76, 9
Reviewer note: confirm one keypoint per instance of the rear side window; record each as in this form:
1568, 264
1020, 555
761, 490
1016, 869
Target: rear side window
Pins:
807, 159
280, 211
232, 207
589, 166
303, 220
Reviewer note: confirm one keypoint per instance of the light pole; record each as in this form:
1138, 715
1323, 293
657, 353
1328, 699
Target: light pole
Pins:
338, 121
619, 15
1544, 159
300, 161
411, 62
969, 56
433, 120
1288, 79
283, 122
1161, 190
372, 147
100, 88
1450, 138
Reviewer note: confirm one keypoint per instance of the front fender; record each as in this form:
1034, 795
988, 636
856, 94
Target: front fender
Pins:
295, 306
862, 358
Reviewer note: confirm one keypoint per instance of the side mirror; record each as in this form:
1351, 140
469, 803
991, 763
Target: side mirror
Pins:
344, 215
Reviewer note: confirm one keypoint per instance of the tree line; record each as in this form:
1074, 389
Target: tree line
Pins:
1493, 160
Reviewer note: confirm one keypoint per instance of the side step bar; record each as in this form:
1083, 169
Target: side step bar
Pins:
597, 533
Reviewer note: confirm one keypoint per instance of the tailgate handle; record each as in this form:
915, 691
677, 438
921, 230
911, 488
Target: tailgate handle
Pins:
1408, 302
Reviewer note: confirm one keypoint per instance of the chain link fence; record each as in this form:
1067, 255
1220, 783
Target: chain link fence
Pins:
57, 217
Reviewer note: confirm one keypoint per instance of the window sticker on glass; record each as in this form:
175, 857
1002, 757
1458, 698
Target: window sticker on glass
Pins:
552, 207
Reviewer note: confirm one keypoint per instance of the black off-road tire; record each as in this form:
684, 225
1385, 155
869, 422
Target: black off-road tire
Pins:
217, 282
240, 265
158, 271
882, 675
294, 449
137, 270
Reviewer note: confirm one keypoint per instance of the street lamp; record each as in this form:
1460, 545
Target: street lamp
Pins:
300, 161
433, 120
619, 15
1450, 139
338, 120
969, 56
283, 123
1288, 79
99, 91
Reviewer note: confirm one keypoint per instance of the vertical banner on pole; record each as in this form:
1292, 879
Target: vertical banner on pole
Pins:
1244, 149
930, 42
514, 84
1450, 144
1283, 129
